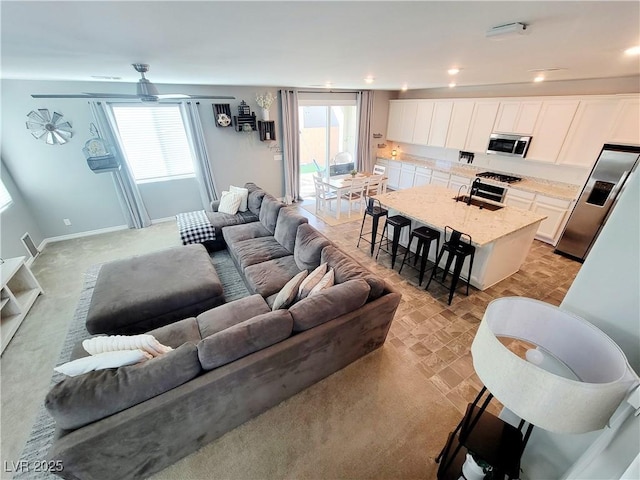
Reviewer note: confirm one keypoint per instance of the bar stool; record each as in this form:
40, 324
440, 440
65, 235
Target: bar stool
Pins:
374, 208
398, 222
425, 236
458, 247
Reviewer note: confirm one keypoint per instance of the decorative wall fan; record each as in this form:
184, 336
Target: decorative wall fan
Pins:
42, 125
146, 91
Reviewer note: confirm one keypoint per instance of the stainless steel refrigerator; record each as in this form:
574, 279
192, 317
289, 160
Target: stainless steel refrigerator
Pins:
597, 199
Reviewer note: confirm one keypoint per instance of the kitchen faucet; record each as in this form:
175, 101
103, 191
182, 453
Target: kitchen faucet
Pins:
474, 189
460, 188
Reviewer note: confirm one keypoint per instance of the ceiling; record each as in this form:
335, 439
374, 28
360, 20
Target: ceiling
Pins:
307, 44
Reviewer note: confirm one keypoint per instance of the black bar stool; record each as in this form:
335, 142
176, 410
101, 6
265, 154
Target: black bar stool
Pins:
398, 222
374, 208
425, 236
458, 247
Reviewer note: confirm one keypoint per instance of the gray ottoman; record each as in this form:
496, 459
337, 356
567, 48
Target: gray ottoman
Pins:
140, 293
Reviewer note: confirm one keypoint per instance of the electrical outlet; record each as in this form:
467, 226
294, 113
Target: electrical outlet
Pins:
67, 222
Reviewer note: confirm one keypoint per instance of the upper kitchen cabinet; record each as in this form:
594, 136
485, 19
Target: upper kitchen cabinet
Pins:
424, 114
459, 125
517, 117
440, 124
551, 129
402, 119
481, 126
588, 132
626, 127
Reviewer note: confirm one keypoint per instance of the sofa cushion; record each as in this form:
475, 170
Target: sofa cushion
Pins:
78, 401
311, 281
230, 202
101, 361
269, 277
308, 247
256, 250
136, 294
269, 211
245, 196
177, 333
244, 338
230, 314
346, 268
254, 200
287, 227
288, 294
219, 219
237, 233
327, 281
329, 304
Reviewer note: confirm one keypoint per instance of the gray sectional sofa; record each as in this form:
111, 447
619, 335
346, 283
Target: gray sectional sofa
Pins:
229, 363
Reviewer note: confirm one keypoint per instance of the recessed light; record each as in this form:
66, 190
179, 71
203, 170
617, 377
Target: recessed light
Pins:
451, 85
369, 80
405, 87
633, 50
539, 78
453, 71
328, 84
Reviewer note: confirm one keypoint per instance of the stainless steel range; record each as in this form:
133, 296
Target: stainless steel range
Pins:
500, 177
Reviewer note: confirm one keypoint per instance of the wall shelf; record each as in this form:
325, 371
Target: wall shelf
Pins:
222, 113
245, 121
267, 130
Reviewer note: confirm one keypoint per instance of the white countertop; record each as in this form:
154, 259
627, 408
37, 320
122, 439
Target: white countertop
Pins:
565, 191
435, 206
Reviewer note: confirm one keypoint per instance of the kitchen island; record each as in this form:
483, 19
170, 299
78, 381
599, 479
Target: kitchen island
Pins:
502, 237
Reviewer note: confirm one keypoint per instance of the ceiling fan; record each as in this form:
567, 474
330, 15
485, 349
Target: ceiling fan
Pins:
146, 91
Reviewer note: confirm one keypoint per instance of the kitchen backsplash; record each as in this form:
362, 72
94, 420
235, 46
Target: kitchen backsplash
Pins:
512, 165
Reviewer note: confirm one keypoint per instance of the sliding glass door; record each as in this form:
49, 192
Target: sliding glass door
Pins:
328, 129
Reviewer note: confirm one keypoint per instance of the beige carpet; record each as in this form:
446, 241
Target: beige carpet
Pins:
330, 218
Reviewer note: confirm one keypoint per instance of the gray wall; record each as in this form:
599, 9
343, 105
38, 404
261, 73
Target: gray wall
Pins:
15, 221
57, 183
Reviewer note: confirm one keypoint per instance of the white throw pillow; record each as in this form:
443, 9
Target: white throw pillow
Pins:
311, 281
326, 282
102, 361
230, 202
245, 197
111, 343
287, 296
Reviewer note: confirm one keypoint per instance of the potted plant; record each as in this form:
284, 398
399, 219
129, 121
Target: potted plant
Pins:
264, 102
353, 173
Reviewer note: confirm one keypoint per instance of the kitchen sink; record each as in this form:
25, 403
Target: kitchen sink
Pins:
478, 203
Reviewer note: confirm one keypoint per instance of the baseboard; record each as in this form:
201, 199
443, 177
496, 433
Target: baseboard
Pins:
80, 235
165, 219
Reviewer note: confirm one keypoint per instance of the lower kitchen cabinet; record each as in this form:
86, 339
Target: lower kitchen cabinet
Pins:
557, 212
456, 181
440, 178
407, 172
423, 176
519, 198
393, 174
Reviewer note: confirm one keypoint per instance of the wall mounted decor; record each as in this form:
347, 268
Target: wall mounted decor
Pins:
245, 120
265, 102
98, 155
267, 130
222, 114
42, 125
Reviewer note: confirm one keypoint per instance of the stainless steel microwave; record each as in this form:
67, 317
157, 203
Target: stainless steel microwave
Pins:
511, 145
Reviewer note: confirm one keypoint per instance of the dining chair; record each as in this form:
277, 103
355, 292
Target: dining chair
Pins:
379, 169
323, 194
355, 193
375, 185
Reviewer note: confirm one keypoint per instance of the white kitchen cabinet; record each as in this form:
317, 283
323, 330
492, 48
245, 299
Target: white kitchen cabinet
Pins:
481, 126
407, 172
557, 213
588, 132
551, 129
423, 176
519, 198
456, 181
440, 178
422, 126
393, 174
19, 292
517, 117
408, 121
394, 123
626, 126
459, 124
440, 123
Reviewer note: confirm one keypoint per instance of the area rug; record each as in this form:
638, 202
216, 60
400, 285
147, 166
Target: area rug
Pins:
330, 218
41, 437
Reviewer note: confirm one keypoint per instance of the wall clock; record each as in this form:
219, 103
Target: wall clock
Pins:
42, 125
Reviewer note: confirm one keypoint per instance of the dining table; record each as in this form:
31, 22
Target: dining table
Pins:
340, 184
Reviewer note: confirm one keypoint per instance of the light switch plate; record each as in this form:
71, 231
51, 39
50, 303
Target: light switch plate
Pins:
277, 158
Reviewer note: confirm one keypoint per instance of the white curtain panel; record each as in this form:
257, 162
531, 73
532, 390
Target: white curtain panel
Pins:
364, 160
130, 198
290, 144
202, 167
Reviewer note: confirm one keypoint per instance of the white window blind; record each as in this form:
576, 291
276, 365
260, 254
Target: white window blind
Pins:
5, 198
154, 141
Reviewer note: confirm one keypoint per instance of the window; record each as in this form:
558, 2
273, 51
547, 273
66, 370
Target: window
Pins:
5, 198
154, 141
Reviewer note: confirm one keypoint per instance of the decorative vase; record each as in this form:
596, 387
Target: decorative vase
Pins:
265, 114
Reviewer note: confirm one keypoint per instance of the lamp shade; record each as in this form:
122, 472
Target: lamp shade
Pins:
602, 376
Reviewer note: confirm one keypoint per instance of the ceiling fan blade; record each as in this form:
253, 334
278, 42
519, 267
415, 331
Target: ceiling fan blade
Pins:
110, 95
182, 96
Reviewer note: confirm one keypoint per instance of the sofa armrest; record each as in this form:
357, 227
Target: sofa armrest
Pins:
214, 205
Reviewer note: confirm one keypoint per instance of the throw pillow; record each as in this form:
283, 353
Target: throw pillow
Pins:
102, 361
311, 281
245, 197
289, 292
326, 282
230, 202
112, 343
